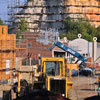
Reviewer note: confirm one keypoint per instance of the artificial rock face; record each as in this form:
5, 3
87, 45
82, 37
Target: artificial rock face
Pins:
45, 14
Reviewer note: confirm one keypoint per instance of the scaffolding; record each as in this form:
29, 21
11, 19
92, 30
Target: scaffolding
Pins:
7, 52
39, 14
48, 36
44, 14
16, 53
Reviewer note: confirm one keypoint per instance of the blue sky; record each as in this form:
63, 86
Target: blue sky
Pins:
3, 9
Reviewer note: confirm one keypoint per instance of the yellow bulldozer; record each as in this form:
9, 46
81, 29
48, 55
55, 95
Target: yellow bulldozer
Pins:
55, 77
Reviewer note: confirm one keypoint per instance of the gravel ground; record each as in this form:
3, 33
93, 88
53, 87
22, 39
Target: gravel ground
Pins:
84, 87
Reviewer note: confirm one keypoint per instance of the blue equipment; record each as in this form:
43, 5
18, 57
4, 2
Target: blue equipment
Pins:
71, 51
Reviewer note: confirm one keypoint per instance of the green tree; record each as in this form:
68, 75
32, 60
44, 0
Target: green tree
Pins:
82, 26
22, 27
98, 33
1, 22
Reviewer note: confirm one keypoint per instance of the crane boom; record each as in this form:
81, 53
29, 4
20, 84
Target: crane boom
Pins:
69, 50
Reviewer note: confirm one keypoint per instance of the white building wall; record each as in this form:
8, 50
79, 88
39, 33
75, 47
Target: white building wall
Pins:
82, 46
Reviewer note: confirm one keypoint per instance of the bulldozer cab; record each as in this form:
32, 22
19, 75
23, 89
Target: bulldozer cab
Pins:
52, 67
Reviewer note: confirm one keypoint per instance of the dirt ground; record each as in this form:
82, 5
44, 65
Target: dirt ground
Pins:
84, 87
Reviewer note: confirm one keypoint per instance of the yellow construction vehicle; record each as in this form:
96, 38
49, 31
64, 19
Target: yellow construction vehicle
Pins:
54, 77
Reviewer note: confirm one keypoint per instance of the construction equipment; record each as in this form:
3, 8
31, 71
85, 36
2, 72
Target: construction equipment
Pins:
71, 51
82, 66
26, 84
21, 87
54, 77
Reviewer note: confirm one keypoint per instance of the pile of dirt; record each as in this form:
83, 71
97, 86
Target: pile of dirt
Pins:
41, 95
93, 98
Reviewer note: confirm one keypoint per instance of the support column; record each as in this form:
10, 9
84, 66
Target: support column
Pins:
94, 48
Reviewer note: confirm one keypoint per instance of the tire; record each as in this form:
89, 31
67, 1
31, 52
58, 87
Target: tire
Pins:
72, 94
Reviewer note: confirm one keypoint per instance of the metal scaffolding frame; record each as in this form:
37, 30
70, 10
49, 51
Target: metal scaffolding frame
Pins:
44, 14
39, 14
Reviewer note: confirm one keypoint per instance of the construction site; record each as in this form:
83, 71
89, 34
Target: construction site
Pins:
28, 64
39, 65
